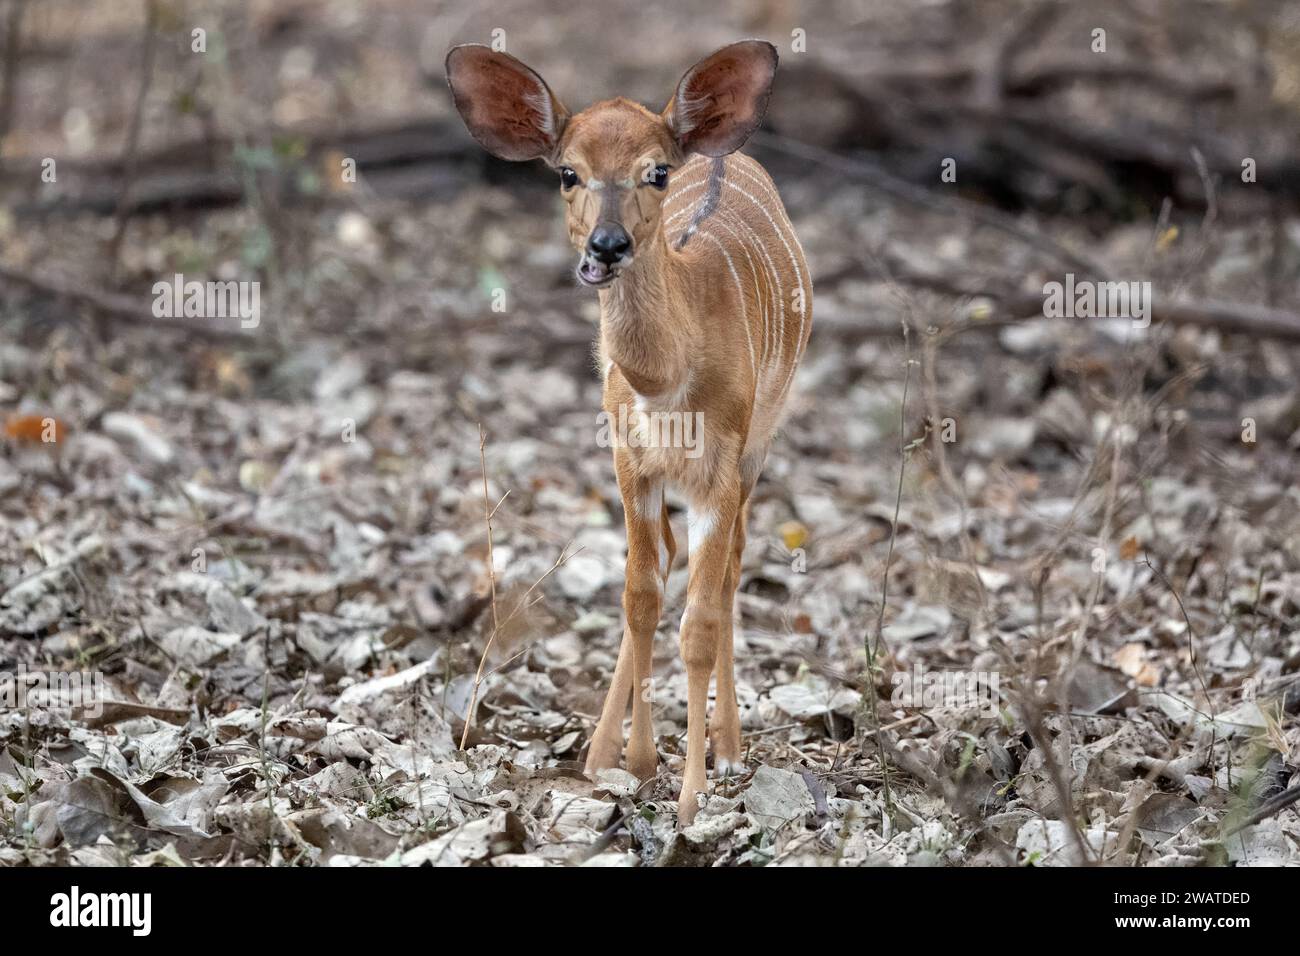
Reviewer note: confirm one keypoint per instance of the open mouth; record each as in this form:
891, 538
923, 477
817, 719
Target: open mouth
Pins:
594, 273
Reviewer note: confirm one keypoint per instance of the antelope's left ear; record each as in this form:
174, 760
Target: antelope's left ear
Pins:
721, 100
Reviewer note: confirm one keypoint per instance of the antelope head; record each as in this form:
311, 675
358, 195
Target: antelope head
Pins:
615, 158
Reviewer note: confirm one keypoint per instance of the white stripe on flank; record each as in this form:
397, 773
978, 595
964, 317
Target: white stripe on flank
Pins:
690, 208
680, 190
750, 167
778, 330
798, 273
770, 191
768, 187
671, 201
681, 212
688, 227
740, 291
762, 306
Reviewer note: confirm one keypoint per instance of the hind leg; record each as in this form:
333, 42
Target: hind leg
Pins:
724, 728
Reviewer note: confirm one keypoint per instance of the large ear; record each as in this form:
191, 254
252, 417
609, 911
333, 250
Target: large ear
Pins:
721, 100
506, 106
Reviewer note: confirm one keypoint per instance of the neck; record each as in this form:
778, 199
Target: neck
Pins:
643, 324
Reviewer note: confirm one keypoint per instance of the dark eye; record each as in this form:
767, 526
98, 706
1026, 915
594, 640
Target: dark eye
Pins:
568, 178
657, 177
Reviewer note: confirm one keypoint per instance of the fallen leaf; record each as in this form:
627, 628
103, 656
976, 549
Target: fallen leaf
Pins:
1131, 659
35, 428
793, 534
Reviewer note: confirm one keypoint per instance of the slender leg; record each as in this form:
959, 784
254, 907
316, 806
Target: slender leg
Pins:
642, 605
724, 728
670, 546
702, 626
607, 740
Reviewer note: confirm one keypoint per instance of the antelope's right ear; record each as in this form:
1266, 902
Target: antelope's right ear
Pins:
506, 106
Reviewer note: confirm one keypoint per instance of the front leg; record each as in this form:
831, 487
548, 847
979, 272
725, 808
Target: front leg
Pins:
647, 569
710, 535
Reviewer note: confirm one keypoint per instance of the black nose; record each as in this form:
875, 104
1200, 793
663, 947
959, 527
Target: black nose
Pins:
609, 242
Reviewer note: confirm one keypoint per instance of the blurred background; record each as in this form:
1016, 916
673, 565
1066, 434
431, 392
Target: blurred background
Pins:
275, 532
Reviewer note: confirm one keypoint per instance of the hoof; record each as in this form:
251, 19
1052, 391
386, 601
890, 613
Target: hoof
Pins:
602, 755
726, 767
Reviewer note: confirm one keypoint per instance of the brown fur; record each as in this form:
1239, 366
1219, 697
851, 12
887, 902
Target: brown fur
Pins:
710, 317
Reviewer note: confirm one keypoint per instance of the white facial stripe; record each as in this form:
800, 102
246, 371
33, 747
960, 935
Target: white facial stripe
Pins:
598, 184
642, 169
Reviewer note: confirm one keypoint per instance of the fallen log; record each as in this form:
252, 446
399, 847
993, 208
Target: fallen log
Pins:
1018, 305
117, 307
206, 172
